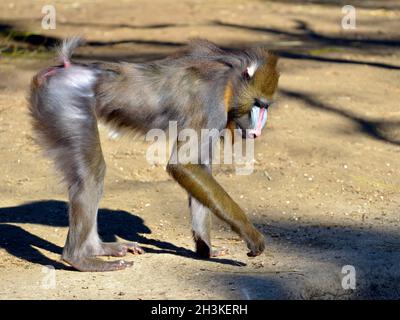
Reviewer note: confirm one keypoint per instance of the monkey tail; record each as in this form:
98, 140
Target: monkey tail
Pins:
66, 49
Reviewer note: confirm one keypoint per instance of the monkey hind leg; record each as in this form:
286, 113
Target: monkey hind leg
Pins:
201, 228
62, 107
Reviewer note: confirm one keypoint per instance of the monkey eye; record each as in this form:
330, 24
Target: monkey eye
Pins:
246, 75
261, 103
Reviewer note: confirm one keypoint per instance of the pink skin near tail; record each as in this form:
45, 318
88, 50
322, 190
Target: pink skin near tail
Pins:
51, 71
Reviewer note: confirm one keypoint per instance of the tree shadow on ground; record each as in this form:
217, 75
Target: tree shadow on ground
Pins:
111, 223
311, 39
11, 33
121, 25
303, 56
304, 33
378, 129
307, 35
374, 4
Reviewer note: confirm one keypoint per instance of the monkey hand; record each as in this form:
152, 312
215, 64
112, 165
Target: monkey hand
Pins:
255, 242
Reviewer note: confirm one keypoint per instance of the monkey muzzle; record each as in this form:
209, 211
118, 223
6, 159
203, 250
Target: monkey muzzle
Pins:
253, 122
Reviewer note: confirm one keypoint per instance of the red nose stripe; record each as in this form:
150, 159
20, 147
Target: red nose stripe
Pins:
259, 123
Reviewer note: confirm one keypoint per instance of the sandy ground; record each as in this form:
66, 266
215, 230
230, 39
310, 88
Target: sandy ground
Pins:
325, 189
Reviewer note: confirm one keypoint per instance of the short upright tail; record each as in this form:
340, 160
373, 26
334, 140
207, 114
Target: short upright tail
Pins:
67, 48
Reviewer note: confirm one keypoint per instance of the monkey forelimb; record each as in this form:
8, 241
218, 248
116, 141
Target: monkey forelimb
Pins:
201, 185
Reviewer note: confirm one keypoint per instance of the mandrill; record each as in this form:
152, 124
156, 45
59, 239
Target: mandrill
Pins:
200, 87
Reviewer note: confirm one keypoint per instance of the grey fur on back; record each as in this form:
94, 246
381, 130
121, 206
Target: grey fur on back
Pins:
187, 87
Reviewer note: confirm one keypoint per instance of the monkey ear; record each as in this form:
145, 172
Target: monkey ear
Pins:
251, 69
265, 58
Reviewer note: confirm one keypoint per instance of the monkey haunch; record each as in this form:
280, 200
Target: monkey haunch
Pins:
200, 87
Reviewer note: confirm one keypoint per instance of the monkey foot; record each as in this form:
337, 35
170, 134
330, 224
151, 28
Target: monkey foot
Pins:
116, 249
203, 250
97, 265
219, 252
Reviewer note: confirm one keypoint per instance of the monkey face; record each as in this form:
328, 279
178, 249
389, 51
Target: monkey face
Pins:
253, 122
261, 84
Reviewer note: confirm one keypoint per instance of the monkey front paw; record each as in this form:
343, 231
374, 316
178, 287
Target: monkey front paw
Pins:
256, 244
90, 264
116, 249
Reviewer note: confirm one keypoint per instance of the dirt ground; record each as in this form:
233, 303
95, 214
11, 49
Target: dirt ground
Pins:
325, 189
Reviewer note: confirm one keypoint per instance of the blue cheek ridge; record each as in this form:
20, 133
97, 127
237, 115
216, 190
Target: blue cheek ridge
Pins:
255, 114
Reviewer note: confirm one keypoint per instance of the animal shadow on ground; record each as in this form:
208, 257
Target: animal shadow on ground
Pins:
111, 223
